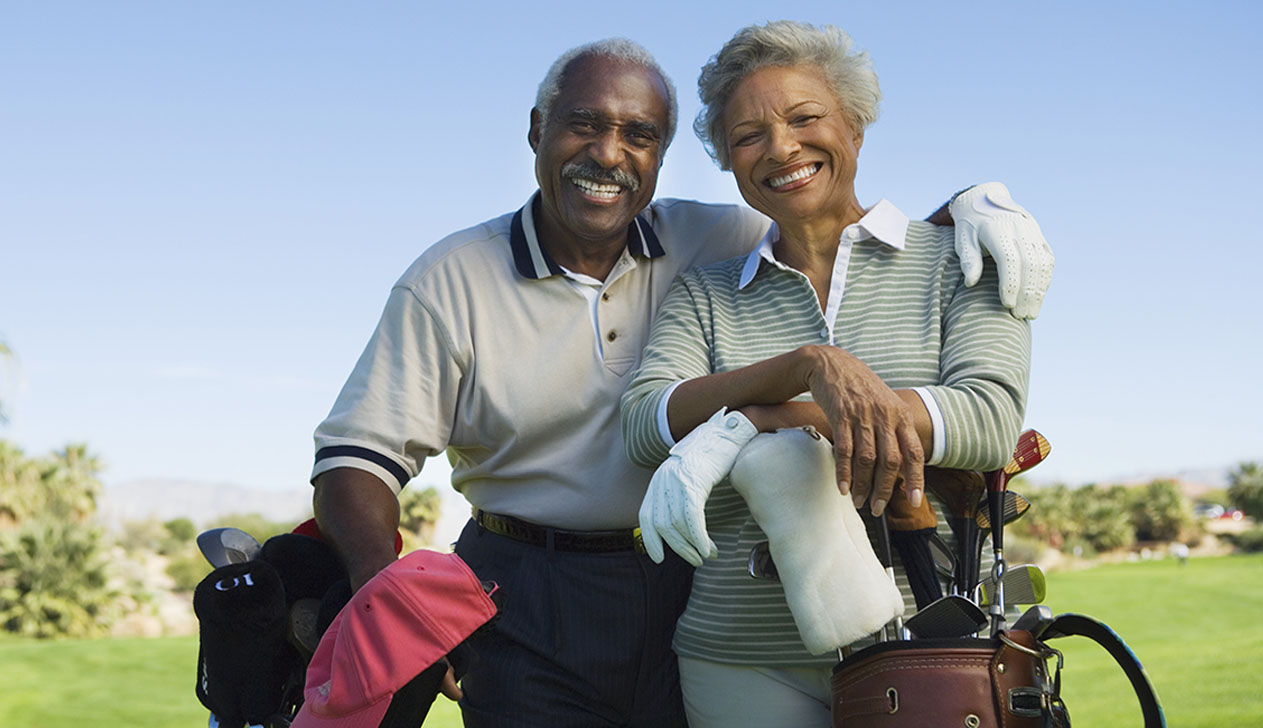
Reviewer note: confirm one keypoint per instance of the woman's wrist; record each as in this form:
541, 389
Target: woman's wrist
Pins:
806, 362
762, 416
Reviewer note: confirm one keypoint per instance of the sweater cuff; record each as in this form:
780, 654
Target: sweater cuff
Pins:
664, 425
937, 423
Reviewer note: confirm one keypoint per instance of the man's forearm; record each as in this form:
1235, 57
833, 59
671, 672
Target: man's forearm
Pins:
942, 216
359, 515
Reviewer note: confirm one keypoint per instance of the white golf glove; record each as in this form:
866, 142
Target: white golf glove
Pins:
987, 214
674, 508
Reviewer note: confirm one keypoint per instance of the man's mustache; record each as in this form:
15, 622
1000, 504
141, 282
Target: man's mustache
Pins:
597, 173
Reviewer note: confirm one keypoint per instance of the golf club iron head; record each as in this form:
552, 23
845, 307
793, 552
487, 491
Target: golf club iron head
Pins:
951, 616
1035, 620
944, 558
1023, 584
224, 546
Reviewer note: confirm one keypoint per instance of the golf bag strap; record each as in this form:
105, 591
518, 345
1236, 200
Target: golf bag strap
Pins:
1065, 625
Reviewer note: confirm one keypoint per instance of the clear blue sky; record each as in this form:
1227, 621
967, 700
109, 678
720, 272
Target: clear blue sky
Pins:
203, 205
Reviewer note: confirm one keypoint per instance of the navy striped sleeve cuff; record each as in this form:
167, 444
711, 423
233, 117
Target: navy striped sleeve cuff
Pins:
363, 453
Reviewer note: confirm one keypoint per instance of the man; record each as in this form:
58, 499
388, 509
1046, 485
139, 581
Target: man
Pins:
508, 345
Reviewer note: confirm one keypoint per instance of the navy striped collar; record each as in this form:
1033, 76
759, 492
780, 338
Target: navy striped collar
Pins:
532, 261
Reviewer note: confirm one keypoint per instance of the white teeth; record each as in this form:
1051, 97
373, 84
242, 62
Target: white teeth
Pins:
800, 173
596, 189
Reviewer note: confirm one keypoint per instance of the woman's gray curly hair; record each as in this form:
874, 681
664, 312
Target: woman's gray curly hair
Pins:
784, 43
617, 48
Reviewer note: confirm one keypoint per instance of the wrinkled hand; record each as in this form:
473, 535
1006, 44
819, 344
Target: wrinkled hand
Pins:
874, 437
674, 506
987, 214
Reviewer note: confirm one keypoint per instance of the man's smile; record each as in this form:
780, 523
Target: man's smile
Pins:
599, 190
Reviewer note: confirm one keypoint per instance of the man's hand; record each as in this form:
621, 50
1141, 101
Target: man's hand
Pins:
675, 503
875, 439
448, 687
986, 214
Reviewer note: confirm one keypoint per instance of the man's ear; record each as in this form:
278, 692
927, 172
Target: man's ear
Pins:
859, 140
537, 128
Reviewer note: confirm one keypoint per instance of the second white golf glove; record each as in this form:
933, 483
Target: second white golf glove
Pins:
986, 216
674, 506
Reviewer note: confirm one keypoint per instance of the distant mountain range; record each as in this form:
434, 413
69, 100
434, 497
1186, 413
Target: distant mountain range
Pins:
201, 502
1194, 482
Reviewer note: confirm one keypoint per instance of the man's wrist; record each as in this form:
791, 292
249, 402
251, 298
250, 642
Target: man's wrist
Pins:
361, 570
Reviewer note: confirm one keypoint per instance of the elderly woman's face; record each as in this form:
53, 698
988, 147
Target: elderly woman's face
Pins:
791, 148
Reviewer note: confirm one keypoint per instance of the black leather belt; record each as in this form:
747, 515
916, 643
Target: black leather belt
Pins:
592, 542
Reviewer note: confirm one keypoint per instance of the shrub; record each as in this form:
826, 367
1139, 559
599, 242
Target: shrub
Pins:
1246, 489
54, 581
1250, 541
1160, 512
1102, 518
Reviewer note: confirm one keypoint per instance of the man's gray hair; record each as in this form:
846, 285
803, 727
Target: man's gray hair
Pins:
784, 43
617, 48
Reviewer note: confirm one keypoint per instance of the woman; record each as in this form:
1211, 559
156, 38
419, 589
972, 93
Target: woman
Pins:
861, 308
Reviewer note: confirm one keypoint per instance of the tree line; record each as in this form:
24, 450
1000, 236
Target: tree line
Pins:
1101, 518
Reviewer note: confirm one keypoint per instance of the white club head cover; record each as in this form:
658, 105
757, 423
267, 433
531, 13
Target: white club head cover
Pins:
837, 589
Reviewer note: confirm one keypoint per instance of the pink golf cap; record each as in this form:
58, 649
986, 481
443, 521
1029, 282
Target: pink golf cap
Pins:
403, 620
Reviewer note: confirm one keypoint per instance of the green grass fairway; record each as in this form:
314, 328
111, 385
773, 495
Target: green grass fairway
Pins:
1195, 627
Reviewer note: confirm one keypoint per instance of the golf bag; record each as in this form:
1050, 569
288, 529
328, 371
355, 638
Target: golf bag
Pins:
256, 628
1002, 682
261, 619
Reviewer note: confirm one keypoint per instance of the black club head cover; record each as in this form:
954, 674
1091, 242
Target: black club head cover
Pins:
918, 564
244, 660
307, 566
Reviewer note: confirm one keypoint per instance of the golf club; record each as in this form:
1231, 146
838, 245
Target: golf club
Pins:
997, 481
761, 565
960, 492
223, 546
1030, 451
1015, 506
944, 560
888, 561
1023, 584
951, 616
1035, 620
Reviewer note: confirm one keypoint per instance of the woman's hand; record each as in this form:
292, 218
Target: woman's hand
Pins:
874, 436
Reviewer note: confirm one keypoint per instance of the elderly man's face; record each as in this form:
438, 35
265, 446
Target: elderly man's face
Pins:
597, 157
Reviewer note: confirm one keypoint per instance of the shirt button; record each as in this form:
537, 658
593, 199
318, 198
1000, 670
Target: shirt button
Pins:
605, 296
824, 334
611, 335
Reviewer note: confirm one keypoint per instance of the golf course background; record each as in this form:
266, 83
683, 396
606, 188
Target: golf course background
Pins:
1194, 626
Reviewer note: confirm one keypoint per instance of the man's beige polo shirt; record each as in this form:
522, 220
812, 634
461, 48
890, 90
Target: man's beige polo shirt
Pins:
488, 349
